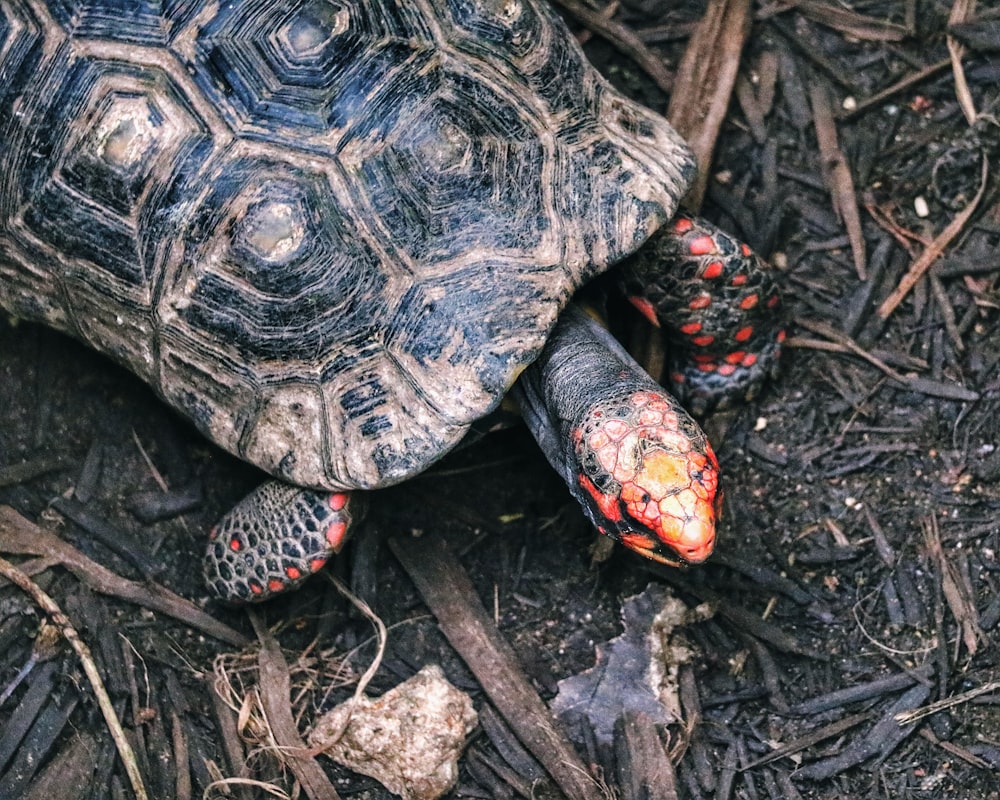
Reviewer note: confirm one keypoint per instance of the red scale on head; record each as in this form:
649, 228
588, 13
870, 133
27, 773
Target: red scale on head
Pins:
608, 504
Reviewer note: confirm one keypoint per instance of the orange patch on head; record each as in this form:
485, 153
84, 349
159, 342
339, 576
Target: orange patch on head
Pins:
679, 508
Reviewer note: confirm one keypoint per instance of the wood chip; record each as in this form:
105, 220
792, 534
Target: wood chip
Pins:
704, 84
463, 619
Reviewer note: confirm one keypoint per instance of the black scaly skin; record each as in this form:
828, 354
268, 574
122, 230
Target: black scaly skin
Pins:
718, 304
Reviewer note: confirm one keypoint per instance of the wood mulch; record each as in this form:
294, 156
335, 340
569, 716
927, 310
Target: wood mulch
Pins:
851, 648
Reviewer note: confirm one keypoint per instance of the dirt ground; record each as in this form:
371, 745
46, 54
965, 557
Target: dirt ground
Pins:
857, 574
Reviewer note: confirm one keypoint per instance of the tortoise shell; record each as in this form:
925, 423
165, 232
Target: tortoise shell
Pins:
329, 232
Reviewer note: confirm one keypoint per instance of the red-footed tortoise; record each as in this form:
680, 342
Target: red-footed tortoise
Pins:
333, 233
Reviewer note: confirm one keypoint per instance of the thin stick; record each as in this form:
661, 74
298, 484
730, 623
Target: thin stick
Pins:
50, 607
930, 255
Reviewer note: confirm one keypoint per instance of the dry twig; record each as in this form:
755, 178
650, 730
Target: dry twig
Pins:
55, 613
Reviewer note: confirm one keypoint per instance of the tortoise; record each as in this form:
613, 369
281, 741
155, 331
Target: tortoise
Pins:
334, 233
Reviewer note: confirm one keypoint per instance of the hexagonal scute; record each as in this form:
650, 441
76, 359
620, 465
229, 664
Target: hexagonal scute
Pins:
301, 69
20, 40
462, 170
533, 44
107, 138
274, 270
149, 22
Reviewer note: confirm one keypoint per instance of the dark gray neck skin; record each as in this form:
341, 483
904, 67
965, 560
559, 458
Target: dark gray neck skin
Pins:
581, 364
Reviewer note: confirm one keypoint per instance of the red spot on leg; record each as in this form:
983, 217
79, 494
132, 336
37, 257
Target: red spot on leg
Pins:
275, 585
646, 308
336, 535
317, 564
736, 357
691, 328
702, 246
682, 225
712, 270
743, 333
749, 302
293, 573
236, 544
703, 341
704, 300
338, 501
